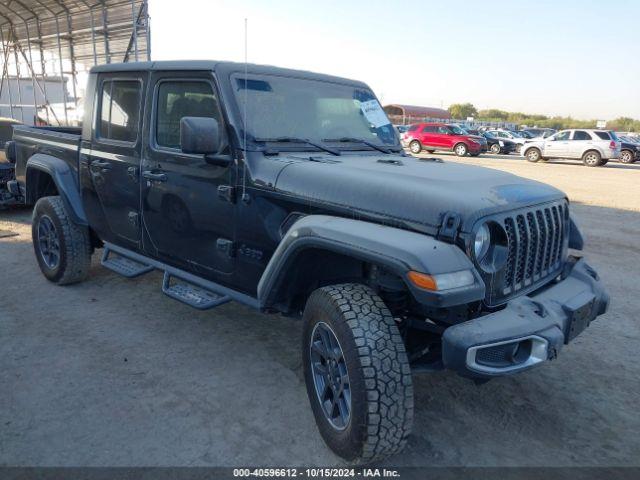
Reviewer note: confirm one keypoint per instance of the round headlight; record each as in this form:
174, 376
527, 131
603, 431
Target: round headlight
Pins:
482, 242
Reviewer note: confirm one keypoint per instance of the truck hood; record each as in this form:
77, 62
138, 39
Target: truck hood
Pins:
407, 190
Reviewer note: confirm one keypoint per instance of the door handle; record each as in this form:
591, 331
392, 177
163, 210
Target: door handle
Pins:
156, 177
101, 164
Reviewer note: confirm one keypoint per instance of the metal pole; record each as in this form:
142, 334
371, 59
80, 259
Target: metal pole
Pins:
12, 34
6, 71
105, 32
148, 19
93, 37
33, 77
134, 24
43, 68
74, 78
62, 82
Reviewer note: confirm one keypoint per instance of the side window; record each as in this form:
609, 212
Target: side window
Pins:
429, 129
604, 135
563, 135
177, 99
581, 135
444, 130
120, 110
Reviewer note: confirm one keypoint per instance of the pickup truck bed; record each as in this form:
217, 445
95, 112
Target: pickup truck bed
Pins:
60, 142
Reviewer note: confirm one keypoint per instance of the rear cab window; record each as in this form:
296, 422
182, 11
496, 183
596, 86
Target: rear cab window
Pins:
120, 105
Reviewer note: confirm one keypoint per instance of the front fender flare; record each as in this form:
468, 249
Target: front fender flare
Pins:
65, 180
398, 250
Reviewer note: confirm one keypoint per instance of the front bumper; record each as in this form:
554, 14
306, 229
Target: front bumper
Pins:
529, 330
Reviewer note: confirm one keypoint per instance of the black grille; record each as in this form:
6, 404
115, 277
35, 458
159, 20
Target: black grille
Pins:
536, 247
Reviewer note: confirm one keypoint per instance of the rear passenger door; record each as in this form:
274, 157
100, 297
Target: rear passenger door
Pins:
428, 136
580, 142
188, 211
110, 161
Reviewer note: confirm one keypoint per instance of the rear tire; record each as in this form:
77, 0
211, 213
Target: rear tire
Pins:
461, 150
415, 147
367, 357
592, 158
627, 156
62, 248
533, 155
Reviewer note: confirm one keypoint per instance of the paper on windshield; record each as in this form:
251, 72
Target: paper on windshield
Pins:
374, 113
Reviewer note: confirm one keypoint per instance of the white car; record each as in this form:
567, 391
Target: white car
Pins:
514, 137
594, 147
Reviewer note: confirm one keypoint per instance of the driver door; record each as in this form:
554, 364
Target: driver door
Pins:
445, 138
559, 146
187, 221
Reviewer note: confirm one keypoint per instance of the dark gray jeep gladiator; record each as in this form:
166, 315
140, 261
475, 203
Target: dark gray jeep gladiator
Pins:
288, 191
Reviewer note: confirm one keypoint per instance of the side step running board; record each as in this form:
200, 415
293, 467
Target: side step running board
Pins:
124, 266
190, 294
186, 287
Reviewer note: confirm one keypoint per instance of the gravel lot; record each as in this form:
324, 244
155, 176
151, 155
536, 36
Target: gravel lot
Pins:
113, 373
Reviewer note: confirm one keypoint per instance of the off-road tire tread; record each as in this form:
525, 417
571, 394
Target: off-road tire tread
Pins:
385, 367
75, 241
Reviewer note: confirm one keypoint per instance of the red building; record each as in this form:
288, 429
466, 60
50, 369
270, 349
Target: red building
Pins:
407, 114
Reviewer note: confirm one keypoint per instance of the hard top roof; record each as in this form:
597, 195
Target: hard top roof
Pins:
221, 68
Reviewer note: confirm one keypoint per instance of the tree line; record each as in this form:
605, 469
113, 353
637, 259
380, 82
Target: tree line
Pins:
464, 110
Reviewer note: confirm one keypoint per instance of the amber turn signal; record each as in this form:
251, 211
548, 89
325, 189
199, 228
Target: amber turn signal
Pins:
422, 280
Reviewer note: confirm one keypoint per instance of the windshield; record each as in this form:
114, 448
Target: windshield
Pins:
457, 130
278, 107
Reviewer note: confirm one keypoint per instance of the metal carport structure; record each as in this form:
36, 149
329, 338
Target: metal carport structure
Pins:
48, 44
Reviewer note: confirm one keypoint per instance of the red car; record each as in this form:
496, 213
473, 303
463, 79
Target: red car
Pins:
440, 136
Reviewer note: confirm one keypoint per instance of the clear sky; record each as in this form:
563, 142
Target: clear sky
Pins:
563, 57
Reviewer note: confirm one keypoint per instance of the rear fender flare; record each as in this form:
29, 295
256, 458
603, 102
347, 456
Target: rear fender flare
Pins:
400, 251
65, 180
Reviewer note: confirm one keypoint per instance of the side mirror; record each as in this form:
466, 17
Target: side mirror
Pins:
199, 135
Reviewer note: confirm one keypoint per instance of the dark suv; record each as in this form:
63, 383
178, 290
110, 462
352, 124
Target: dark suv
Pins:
289, 192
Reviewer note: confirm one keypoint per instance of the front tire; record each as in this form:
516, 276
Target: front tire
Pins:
461, 150
627, 156
533, 155
495, 149
415, 147
62, 248
357, 373
592, 159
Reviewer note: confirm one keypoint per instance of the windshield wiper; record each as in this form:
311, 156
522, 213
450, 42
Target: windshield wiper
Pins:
362, 141
299, 140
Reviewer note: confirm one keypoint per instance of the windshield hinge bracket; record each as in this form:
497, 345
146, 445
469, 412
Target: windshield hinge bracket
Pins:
449, 227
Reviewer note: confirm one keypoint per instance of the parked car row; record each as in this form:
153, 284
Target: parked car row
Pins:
595, 147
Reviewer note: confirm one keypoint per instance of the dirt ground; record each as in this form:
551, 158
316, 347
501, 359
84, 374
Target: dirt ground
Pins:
111, 372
